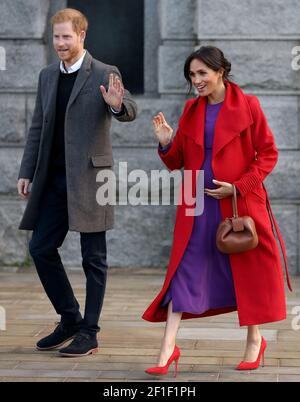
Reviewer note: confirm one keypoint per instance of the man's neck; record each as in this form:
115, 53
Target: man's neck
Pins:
74, 60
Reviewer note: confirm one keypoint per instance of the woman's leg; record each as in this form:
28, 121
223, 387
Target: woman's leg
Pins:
169, 339
253, 343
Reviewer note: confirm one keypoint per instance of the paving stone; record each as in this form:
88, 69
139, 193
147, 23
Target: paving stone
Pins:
248, 378
221, 334
32, 379
128, 346
289, 378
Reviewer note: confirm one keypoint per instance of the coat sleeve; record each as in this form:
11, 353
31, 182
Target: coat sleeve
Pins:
172, 156
31, 151
266, 151
129, 109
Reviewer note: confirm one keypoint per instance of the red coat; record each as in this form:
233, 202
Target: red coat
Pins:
244, 153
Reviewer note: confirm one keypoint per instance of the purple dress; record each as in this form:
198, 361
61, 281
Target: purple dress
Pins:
203, 279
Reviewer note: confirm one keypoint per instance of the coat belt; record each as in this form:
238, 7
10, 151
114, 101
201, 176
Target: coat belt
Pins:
282, 246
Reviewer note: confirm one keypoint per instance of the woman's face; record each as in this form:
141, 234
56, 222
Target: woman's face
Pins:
204, 79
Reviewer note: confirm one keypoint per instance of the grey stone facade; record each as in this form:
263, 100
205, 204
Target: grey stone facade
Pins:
258, 38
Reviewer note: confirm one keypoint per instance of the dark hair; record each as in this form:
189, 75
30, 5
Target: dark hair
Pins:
213, 57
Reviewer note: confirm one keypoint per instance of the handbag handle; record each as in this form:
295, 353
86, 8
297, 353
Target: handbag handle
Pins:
234, 203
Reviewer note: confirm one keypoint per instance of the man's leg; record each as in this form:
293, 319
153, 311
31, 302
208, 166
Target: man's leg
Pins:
93, 250
48, 235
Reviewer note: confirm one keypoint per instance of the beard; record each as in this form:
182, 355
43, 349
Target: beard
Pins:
70, 54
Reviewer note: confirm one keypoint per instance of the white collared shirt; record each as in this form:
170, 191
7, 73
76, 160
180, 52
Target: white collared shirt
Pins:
76, 66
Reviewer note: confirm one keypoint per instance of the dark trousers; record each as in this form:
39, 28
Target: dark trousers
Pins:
48, 235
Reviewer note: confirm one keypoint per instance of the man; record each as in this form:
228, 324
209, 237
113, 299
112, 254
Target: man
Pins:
67, 143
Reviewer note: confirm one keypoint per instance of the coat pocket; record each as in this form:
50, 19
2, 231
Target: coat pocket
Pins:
102, 161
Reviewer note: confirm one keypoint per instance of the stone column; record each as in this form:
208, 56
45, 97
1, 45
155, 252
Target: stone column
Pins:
178, 39
22, 32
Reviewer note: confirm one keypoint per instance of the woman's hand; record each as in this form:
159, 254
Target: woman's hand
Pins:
225, 190
162, 129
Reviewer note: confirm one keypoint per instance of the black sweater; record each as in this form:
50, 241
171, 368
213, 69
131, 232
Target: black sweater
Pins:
65, 86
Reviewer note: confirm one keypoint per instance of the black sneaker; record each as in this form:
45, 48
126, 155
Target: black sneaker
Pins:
59, 337
83, 344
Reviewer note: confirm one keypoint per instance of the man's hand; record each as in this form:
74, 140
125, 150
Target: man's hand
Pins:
23, 188
114, 96
225, 190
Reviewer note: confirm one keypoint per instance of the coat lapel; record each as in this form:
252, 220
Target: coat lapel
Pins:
234, 117
82, 76
52, 84
193, 121
50, 106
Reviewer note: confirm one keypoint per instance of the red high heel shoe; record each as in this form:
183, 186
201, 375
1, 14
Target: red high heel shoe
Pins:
165, 369
255, 365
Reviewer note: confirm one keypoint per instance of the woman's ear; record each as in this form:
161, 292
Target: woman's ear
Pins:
221, 72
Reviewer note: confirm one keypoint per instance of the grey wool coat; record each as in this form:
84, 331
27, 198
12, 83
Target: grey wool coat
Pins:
87, 144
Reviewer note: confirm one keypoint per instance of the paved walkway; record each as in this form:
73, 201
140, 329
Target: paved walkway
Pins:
211, 347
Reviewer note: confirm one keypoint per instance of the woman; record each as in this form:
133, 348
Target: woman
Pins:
225, 133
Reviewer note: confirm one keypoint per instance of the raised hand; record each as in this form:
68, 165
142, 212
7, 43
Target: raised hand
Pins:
162, 129
114, 96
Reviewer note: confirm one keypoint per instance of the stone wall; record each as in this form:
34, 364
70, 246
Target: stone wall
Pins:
22, 35
258, 38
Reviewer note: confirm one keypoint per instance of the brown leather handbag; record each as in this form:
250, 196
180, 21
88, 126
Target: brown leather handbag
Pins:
236, 234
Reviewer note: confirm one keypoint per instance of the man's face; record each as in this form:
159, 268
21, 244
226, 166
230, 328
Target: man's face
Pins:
67, 43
